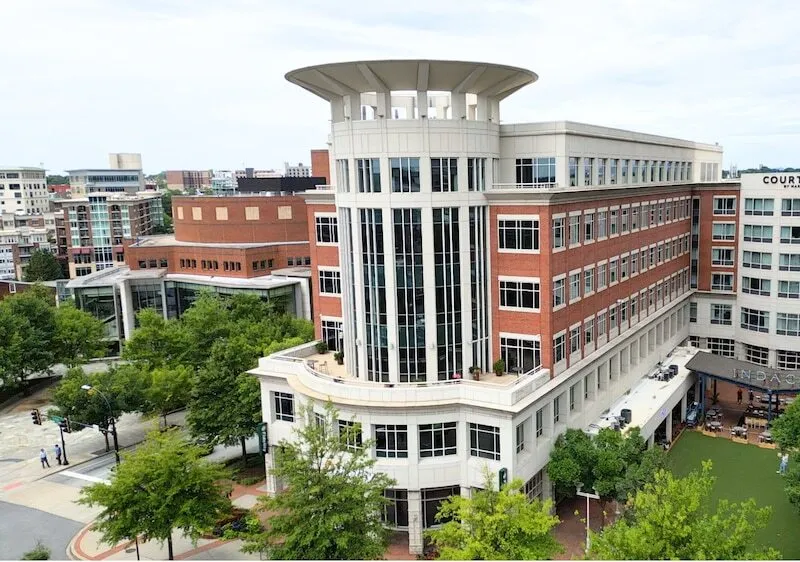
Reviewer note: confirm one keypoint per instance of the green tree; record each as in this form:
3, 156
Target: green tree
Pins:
332, 504
169, 390
160, 487
495, 525
613, 463
120, 389
43, 266
57, 180
673, 519
225, 406
78, 336
157, 342
786, 429
27, 321
39, 552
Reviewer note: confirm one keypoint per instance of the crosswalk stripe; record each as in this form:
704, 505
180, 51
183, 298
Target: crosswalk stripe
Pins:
86, 477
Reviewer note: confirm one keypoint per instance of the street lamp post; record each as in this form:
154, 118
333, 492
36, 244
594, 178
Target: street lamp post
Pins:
588, 496
88, 388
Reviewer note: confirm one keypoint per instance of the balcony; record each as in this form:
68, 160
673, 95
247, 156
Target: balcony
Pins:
522, 186
320, 374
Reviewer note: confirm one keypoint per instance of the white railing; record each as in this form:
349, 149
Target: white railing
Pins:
509, 186
325, 187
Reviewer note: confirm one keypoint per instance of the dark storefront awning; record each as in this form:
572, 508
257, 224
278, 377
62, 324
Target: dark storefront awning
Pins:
744, 373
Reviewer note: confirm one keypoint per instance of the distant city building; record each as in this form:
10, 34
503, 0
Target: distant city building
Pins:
125, 161
20, 236
59, 189
86, 181
253, 173
227, 245
223, 182
99, 226
321, 164
9, 288
23, 190
299, 171
189, 180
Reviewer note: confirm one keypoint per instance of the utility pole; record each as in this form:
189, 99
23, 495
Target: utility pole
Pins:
587, 495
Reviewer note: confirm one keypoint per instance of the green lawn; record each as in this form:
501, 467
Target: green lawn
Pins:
742, 472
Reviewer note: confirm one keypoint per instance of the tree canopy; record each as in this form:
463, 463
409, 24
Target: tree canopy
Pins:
673, 519
160, 487
495, 525
613, 463
786, 429
42, 266
331, 506
78, 336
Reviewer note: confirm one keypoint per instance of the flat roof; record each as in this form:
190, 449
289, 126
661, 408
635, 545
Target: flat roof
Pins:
304, 271
22, 169
745, 374
333, 80
646, 399
163, 240
106, 170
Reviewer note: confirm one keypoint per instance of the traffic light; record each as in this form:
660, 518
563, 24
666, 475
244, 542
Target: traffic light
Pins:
36, 417
64, 425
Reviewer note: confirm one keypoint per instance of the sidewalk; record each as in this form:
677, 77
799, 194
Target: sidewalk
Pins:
87, 546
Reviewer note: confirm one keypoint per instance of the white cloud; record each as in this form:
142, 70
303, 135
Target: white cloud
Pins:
195, 83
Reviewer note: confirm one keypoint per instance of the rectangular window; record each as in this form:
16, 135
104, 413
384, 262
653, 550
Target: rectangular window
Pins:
722, 346
757, 233
558, 232
519, 294
391, 441
330, 282
602, 321
624, 221
755, 320
518, 234
789, 289
756, 286
588, 171
759, 260
559, 348
759, 207
343, 175
558, 292
601, 171
693, 312
476, 174
520, 436
327, 229
790, 235
789, 360
613, 267
437, 439
369, 175
612, 171
444, 174
536, 170
556, 410
521, 355
574, 340
574, 286
756, 354
722, 314
588, 281
613, 222
789, 262
405, 175
284, 406
601, 224
574, 230
724, 205
601, 276
332, 334
573, 171
723, 231
722, 282
722, 256
539, 422
484, 441
588, 331
588, 227
350, 433
790, 207
623, 268
635, 216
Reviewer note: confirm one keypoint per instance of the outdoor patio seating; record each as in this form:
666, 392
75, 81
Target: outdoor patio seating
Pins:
765, 437
714, 426
739, 431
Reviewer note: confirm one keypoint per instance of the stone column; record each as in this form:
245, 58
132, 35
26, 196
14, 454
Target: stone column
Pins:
683, 408
415, 522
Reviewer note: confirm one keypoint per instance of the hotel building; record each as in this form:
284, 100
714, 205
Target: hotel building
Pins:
450, 241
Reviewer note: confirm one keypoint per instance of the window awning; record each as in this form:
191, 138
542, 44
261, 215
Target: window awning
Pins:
744, 373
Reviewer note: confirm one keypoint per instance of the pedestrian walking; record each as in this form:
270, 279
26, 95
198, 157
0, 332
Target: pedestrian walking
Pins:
784, 463
43, 458
739, 396
750, 396
57, 450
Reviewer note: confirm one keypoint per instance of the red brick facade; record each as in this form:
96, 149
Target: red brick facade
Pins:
321, 164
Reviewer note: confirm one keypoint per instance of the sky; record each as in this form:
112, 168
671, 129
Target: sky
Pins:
199, 84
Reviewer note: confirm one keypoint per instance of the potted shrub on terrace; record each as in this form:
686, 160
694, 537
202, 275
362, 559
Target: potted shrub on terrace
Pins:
499, 367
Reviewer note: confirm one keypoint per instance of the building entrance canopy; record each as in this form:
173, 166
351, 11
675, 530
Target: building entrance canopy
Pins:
745, 374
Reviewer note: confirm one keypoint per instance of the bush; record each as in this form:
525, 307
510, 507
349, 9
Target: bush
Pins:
39, 552
499, 367
322, 347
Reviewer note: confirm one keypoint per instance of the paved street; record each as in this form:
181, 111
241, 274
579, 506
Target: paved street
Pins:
21, 527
